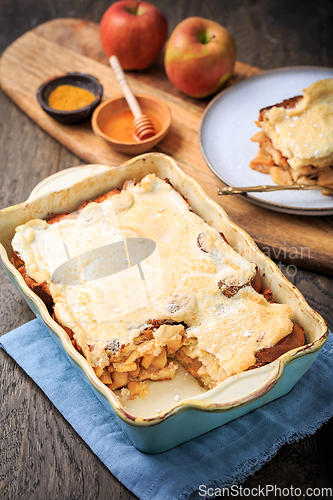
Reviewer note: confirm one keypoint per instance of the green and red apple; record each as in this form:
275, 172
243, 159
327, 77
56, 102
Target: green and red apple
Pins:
200, 56
134, 31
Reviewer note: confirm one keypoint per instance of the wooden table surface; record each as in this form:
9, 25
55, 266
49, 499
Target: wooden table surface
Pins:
41, 456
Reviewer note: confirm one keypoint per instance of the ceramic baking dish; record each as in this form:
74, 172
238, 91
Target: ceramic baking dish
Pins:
179, 410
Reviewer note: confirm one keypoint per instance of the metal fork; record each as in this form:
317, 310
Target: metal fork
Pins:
266, 189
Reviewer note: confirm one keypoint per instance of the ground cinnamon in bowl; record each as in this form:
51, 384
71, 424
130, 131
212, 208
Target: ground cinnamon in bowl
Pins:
69, 97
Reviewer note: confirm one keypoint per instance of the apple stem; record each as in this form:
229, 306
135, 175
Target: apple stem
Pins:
204, 38
136, 7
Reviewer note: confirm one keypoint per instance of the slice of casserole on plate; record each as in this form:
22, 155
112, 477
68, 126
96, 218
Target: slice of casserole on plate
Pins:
296, 141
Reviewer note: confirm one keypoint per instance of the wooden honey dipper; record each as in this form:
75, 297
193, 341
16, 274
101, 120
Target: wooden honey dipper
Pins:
143, 127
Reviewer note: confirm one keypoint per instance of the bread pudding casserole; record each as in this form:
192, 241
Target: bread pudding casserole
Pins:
141, 283
296, 140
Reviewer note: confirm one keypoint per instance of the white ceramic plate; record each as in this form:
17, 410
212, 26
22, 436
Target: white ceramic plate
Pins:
228, 124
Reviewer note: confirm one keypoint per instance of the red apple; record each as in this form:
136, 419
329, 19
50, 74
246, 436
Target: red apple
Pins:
200, 56
134, 31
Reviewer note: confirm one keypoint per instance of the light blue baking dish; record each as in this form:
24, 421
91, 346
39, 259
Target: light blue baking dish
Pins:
179, 410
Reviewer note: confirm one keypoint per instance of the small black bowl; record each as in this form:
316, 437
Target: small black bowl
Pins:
82, 80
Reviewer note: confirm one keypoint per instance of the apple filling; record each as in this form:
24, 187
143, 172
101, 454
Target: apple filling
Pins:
269, 160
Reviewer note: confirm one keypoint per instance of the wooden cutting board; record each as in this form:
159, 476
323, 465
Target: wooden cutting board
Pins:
64, 45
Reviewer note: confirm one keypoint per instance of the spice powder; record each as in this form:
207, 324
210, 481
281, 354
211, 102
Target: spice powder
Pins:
70, 98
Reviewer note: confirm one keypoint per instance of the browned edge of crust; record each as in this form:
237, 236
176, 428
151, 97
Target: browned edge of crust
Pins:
286, 103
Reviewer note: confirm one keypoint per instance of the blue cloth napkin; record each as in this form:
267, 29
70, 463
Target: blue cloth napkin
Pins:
220, 458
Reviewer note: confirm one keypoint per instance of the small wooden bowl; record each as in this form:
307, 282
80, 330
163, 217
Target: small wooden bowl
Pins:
112, 108
82, 80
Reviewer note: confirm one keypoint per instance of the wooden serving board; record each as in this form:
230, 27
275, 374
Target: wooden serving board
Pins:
65, 45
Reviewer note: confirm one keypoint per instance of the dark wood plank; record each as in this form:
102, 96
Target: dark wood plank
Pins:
40, 454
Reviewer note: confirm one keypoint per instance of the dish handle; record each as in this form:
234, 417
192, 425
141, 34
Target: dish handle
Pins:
65, 179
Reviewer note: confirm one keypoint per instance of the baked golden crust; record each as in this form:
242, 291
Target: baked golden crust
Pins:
206, 315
